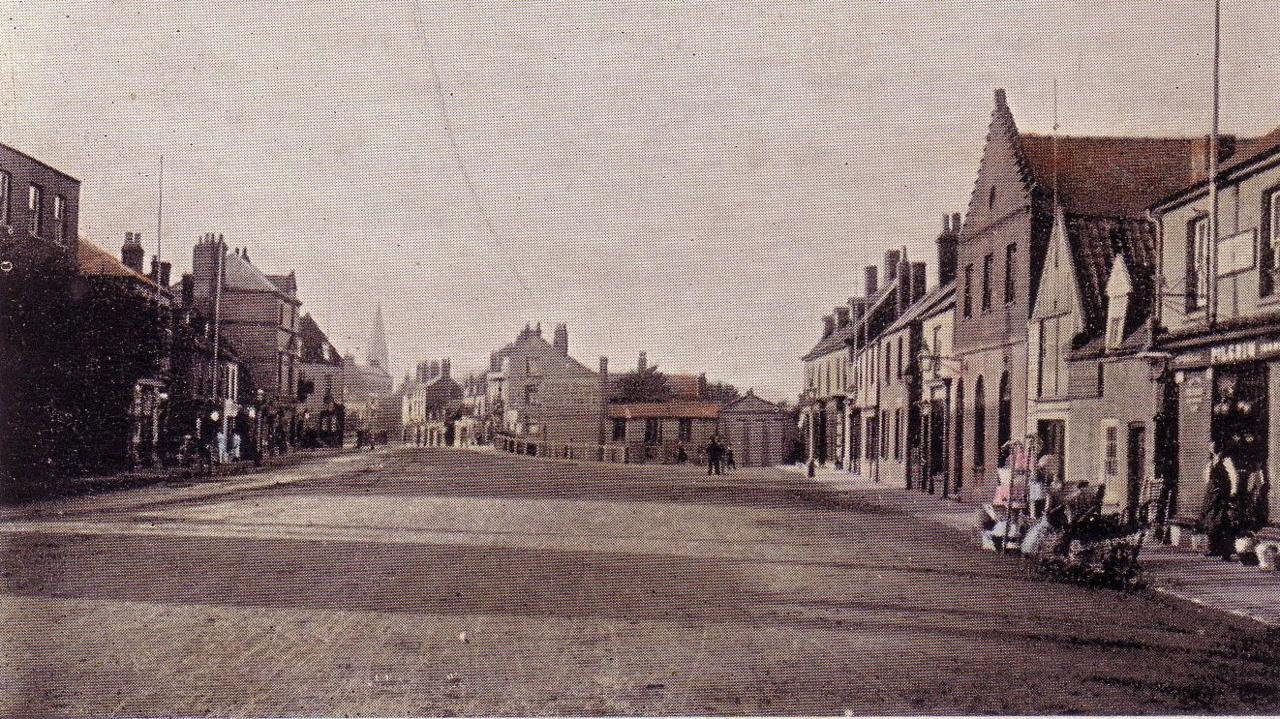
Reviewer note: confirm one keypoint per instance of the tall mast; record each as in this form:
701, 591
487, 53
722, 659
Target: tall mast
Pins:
1212, 249
160, 212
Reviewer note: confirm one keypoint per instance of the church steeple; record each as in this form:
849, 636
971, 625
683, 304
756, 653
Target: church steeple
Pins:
377, 352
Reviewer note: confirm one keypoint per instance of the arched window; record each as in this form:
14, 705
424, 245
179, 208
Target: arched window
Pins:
959, 437
979, 424
1004, 419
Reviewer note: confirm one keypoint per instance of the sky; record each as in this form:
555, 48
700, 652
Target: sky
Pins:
703, 181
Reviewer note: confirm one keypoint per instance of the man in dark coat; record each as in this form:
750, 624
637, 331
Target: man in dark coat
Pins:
714, 451
1221, 478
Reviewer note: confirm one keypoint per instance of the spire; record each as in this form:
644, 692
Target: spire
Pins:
377, 352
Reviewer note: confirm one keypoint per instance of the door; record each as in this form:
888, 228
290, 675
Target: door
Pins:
1053, 433
1137, 470
937, 464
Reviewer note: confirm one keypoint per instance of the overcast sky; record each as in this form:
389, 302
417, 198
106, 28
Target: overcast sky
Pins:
700, 182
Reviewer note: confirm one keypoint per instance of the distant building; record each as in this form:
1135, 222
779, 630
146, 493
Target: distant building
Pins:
760, 432
655, 431
431, 405
368, 387
543, 395
259, 314
321, 381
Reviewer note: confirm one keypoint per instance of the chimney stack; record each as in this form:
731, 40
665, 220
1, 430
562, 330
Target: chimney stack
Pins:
857, 309
904, 283
643, 363
561, 341
537, 330
828, 326
872, 284
444, 368
604, 366
131, 253
891, 260
919, 281
948, 248
842, 316
188, 290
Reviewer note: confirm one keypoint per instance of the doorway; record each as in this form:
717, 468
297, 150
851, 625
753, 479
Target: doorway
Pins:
1053, 434
1137, 470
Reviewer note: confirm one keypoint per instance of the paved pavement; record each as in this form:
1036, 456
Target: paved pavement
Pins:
420, 581
1178, 572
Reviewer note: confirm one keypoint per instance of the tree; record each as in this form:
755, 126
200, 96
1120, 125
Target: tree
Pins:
722, 392
647, 385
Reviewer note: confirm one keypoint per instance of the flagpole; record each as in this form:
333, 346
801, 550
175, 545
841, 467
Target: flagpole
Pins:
160, 212
1213, 173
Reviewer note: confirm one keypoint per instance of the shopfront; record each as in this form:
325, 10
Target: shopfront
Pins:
1224, 394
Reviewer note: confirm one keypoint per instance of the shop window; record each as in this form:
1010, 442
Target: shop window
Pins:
619, 430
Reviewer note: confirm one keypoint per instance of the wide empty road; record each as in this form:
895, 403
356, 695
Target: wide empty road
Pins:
413, 581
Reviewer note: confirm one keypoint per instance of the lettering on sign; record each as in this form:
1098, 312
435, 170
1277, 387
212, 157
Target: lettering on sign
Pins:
1245, 351
1236, 252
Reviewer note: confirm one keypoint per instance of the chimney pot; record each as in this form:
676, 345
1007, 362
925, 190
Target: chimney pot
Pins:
643, 362
872, 284
919, 281
955, 222
842, 316
828, 326
891, 260
561, 340
132, 254
604, 365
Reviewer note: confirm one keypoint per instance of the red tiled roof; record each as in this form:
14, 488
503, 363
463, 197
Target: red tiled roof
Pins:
677, 409
684, 386
1112, 176
1094, 243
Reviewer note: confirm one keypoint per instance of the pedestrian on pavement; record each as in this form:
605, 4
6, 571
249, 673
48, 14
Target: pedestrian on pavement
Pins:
729, 462
235, 446
221, 440
714, 452
1216, 512
682, 455
1038, 485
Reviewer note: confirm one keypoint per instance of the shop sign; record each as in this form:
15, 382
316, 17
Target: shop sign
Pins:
1244, 351
1236, 253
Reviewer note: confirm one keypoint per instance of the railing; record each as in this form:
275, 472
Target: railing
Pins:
583, 451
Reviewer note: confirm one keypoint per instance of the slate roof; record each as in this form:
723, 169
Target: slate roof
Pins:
675, 409
932, 300
240, 274
1111, 176
287, 284
313, 340
95, 261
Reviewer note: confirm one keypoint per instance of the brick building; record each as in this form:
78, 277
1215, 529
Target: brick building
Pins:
39, 213
1219, 320
321, 384
1001, 253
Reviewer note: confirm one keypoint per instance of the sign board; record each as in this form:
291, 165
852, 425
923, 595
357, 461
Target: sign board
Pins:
1237, 253
1246, 351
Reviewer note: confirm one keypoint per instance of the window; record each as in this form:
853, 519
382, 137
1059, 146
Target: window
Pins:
1102, 382
1115, 331
937, 340
968, 290
1040, 354
619, 430
1010, 261
897, 434
1197, 263
900, 372
686, 430
652, 431
884, 435
531, 394
1267, 241
530, 365
986, 282
888, 362
1111, 450
991, 198
35, 204
979, 424
959, 435
1004, 413
6, 182
60, 218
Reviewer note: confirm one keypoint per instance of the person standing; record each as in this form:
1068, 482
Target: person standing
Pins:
729, 461
714, 451
1221, 478
1038, 485
235, 446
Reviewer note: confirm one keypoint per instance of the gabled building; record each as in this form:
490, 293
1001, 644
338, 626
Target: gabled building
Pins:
760, 432
39, 214
432, 405
543, 396
1002, 249
1092, 395
1219, 319
259, 314
321, 386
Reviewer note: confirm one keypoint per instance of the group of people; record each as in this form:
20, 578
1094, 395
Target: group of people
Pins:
719, 456
1235, 503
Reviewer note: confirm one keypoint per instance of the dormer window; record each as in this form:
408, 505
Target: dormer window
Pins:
1119, 287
